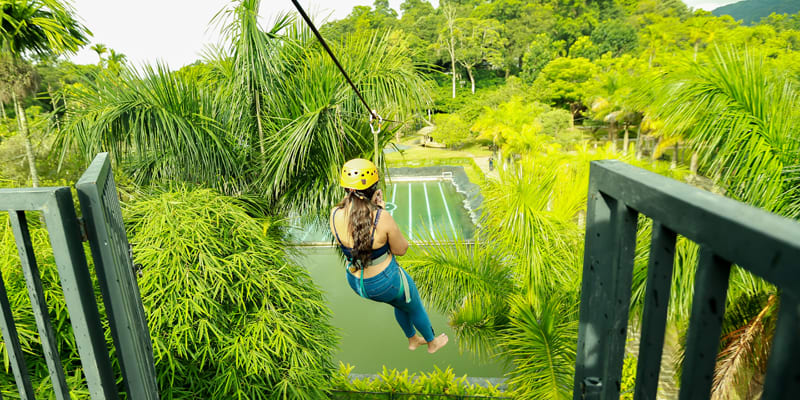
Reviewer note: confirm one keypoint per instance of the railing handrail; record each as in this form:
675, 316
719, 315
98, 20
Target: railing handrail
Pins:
759, 234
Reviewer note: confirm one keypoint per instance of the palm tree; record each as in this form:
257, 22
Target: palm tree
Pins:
201, 125
316, 120
250, 50
18, 80
160, 126
116, 61
740, 116
42, 27
100, 49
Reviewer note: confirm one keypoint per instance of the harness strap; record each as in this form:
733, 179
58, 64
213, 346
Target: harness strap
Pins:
405, 288
375, 224
333, 222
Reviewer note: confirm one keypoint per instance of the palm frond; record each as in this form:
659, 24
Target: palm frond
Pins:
739, 115
310, 133
745, 351
540, 343
448, 273
158, 124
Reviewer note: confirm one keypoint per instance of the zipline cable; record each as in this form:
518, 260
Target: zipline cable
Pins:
373, 115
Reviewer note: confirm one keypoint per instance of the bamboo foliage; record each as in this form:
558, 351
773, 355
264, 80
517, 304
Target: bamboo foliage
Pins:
229, 316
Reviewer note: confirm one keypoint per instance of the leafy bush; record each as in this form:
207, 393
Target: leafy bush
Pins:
229, 316
451, 130
393, 381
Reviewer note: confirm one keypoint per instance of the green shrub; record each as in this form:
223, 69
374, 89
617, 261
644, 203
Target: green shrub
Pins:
451, 130
229, 316
437, 382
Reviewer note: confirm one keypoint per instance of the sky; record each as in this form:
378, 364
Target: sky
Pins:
176, 32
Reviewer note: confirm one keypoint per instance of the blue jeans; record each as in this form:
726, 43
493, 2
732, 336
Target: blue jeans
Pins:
387, 287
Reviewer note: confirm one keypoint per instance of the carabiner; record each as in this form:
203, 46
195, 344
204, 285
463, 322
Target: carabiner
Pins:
372, 122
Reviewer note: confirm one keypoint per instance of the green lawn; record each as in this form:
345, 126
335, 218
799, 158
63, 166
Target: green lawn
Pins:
418, 156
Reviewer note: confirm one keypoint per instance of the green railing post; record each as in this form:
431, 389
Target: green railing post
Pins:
19, 224
783, 369
65, 237
115, 272
705, 324
656, 303
13, 348
607, 273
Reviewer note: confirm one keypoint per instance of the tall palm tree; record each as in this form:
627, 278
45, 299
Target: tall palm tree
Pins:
18, 80
42, 27
315, 120
116, 61
250, 51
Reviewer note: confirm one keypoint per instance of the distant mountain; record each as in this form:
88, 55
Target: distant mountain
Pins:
751, 11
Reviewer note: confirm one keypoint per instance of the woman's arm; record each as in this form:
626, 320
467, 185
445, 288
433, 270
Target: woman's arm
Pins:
397, 242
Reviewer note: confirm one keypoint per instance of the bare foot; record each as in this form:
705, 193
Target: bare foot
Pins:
415, 341
437, 343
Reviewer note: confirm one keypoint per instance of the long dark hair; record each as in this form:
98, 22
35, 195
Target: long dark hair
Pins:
358, 203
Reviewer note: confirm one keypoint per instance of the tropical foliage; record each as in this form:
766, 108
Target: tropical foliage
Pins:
229, 316
392, 381
267, 118
527, 259
183, 126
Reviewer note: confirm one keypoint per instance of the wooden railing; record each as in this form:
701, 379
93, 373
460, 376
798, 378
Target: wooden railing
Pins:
102, 226
728, 232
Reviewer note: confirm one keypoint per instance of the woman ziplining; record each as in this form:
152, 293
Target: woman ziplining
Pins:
370, 240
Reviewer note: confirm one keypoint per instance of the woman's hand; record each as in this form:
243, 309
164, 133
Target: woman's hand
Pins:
377, 199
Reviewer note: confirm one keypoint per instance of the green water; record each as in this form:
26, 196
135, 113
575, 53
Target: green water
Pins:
370, 336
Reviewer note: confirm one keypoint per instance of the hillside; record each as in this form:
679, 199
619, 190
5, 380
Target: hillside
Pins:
751, 11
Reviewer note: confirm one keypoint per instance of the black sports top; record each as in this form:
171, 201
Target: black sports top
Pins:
348, 251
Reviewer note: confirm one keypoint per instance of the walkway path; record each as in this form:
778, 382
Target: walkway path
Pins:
483, 163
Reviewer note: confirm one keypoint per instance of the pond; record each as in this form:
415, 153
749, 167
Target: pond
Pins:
370, 336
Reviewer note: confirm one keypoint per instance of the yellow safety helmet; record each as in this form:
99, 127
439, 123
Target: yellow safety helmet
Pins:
358, 174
